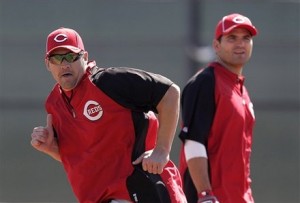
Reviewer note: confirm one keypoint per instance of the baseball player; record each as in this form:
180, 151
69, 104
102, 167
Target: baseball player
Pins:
218, 120
112, 128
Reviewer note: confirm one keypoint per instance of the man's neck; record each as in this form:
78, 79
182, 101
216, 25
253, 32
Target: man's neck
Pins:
238, 69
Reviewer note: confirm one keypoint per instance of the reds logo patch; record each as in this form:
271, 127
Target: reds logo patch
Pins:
92, 110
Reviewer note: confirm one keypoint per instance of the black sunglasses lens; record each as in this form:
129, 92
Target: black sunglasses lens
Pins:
56, 59
69, 57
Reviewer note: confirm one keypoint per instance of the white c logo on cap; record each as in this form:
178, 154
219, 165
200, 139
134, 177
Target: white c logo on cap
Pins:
239, 19
60, 38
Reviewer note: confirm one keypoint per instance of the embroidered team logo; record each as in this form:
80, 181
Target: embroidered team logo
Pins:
60, 38
92, 110
239, 19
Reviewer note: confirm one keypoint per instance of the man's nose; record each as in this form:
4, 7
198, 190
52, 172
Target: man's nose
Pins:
240, 42
64, 64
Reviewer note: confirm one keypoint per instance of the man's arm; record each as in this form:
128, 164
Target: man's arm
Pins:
42, 139
168, 114
198, 110
198, 168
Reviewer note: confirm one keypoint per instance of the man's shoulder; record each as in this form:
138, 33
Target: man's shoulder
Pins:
101, 72
206, 72
204, 75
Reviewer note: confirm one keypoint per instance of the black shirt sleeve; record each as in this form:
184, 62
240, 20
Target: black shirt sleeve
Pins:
198, 106
132, 88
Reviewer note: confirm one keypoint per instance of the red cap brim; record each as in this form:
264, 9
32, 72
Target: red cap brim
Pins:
71, 48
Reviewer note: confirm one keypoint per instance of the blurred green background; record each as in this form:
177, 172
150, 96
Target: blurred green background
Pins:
162, 36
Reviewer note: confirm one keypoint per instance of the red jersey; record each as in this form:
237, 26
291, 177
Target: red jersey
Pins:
217, 112
97, 128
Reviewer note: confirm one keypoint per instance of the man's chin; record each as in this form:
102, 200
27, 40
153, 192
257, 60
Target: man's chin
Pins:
67, 87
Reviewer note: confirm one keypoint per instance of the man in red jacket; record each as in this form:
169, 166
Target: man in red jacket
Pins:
218, 120
102, 126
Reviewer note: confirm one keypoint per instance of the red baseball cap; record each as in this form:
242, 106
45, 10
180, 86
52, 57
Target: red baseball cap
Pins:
64, 38
235, 20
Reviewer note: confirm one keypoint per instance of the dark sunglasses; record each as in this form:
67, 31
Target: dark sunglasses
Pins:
69, 57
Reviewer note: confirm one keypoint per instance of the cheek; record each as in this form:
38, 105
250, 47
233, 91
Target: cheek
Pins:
250, 48
54, 72
78, 69
221, 51
222, 48
250, 52
83, 63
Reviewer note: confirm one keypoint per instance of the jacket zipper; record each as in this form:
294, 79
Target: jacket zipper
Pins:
67, 101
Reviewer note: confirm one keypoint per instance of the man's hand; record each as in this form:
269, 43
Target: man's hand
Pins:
207, 197
42, 139
153, 161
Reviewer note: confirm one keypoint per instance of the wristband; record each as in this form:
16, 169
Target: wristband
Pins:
207, 196
205, 193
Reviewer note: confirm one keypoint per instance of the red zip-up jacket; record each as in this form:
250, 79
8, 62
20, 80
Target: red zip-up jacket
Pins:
98, 126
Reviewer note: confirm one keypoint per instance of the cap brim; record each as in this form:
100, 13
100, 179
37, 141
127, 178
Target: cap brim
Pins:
71, 48
250, 28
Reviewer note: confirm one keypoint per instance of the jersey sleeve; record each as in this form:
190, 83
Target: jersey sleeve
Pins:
198, 107
133, 88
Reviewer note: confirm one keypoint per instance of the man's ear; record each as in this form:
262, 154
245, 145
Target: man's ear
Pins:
216, 44
47, 64
86, 56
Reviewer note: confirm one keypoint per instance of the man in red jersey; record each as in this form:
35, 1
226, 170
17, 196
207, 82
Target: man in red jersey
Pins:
102, 127
218, 120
